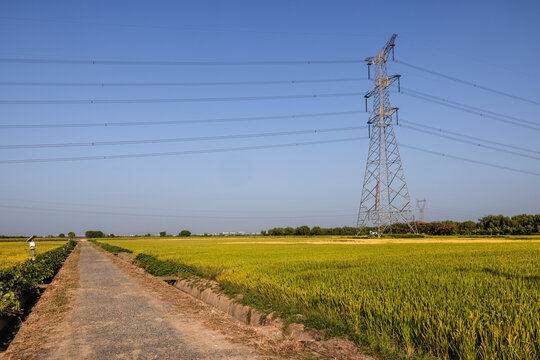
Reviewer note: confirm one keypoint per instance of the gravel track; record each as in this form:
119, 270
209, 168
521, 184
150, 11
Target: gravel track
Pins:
114, 318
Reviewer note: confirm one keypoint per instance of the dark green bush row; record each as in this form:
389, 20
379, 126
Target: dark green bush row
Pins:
111, 248
20, 280
488, 225
164, 268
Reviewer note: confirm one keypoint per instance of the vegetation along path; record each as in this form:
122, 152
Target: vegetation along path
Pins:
114, 316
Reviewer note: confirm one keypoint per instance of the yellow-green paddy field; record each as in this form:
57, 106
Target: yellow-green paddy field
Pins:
445, 297
17, 251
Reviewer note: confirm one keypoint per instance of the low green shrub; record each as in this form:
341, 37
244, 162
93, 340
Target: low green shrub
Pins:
21, 280
111, 248
164, 268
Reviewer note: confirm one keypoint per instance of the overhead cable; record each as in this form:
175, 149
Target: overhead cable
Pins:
184, 100
419, 129
191, 216
185, 83
175, 153
184, 139
133, 207
438, 98
469, 160
177, 122
176, 28
469, 83
176, 62
487, 116
472, 137
247, 148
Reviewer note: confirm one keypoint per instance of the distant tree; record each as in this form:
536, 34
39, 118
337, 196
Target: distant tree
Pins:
288, 231
495, 225
363, 230
61, 235
163, 234
264, 233
489, 225
276, 232
524, 224
94, 234
71, 234
112, 235
184, 233
302, 230
466, 228
399, 228
316, 231
448, 228
148, 235
348, 230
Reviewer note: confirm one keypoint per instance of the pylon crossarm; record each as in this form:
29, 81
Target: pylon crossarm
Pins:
386, 83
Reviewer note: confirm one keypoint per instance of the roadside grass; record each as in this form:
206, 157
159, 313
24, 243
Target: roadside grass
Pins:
59, 301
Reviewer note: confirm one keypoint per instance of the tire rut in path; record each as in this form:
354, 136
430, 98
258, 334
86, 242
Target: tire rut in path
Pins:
114, 318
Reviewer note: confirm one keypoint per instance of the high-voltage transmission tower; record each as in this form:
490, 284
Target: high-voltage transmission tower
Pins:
385, 197
421, 205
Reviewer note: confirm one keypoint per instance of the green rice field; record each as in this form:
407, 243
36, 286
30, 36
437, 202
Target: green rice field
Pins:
444, 298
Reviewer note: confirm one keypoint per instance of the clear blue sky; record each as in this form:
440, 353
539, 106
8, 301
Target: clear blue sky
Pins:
492, 43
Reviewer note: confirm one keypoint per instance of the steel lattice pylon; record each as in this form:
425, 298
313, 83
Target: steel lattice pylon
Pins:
385, 196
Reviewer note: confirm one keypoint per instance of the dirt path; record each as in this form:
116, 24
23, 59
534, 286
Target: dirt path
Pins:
114, 318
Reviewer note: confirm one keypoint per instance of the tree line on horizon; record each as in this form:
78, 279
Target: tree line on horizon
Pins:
489, 225
94, 234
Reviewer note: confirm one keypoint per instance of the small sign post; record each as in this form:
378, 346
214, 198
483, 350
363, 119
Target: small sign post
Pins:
32, 244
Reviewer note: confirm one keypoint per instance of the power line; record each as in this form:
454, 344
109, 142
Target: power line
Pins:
185, 139
177, 122
151, 101
164, 215
470, 160
473, 137
246, 148
173, 153
469, 83
468, 142
228, 211
207, 83
201, 29
438, 98
471, 111
175, 62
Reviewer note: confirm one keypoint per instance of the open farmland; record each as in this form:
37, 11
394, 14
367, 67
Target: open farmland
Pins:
448, 297
15, 252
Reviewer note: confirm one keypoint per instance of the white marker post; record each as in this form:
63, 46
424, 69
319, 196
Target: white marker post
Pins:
32, 244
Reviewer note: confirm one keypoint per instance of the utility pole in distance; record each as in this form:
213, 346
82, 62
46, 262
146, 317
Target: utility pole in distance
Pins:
385, 196
421, 205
